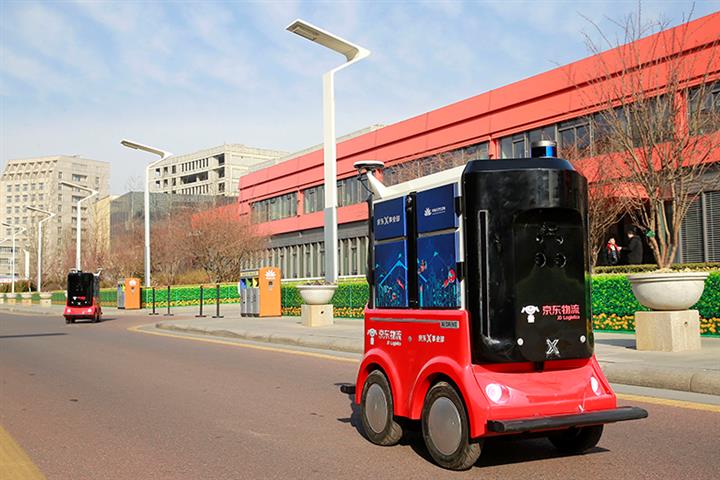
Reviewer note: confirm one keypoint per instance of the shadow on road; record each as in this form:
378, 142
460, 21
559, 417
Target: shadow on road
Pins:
509, 450
30, 335
83, 321
618, 342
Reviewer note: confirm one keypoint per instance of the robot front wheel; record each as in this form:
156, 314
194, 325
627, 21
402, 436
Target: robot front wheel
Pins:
446, 429
376, 411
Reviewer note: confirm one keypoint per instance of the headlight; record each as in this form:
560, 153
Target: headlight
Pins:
595, 385
496, 393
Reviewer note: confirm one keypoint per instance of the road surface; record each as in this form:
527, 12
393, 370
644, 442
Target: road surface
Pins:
96, 401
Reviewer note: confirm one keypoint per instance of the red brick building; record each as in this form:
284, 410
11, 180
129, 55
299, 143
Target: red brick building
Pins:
286, 199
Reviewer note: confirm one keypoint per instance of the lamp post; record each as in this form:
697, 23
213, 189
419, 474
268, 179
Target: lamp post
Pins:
352, 53
78, 230
15, 231
163, 155
39, 243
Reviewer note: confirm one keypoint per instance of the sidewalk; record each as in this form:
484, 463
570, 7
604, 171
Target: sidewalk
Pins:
697, 372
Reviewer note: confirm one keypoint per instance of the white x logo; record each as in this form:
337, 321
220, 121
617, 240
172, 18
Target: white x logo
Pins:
552, 347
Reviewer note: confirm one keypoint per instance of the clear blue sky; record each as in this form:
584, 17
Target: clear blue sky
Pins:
76, 77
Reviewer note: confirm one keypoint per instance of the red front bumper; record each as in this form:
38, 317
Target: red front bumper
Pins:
80, 312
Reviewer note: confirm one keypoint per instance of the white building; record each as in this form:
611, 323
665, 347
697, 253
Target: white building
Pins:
36, 182
213, 171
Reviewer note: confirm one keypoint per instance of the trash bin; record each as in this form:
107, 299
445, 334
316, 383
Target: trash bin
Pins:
260, 292
132, 296
121, 294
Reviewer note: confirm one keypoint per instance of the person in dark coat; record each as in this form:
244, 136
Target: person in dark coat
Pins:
612, 252
634, 249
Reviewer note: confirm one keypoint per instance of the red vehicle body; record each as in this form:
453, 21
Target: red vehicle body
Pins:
83, 297
563, 386
491, 334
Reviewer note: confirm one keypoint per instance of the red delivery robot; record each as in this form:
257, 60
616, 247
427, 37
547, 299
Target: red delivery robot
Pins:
478, 322
83, 297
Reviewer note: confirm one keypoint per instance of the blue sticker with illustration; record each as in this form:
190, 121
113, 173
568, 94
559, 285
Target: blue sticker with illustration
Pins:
438, 285
391, 275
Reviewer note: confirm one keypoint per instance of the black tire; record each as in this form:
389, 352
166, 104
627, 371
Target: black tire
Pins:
467, 452
576, 439
67, 321
387, 431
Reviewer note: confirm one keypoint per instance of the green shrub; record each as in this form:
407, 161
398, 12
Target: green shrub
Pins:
612, 295
58, 297
696, 267
190, 295
709, 303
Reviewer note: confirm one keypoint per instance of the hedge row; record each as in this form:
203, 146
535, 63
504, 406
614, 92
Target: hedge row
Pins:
612, 295
190, 295
695, 267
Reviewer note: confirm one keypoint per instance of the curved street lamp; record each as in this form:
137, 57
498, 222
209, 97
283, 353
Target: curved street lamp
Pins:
15, 231
353, 53
39, 242
78, 230
163, 156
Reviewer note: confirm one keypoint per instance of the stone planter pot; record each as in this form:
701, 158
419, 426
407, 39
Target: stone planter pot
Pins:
670, 291
317, 294
45, 299
26, 298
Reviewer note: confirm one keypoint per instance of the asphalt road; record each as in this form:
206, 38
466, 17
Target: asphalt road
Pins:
96, 401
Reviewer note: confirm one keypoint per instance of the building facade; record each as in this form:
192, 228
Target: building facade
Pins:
213, 171
285, 200
36, 182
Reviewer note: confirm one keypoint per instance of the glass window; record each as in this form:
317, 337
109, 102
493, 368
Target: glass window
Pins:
519, 147
574, 138
542, 133
513, 147
350, 192
313, 199
506, 147
704, 108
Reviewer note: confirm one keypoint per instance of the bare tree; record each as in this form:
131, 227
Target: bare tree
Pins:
420, 167
606, 199
658, 107
221, 241
126, 256
171, 256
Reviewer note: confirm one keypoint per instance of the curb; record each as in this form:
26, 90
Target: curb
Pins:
39, 311
693, 380
318, 342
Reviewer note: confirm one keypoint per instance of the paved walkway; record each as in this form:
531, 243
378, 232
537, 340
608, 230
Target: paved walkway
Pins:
697, 372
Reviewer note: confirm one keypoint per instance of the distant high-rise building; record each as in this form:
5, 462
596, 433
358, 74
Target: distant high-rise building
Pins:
36, 182
213, 171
